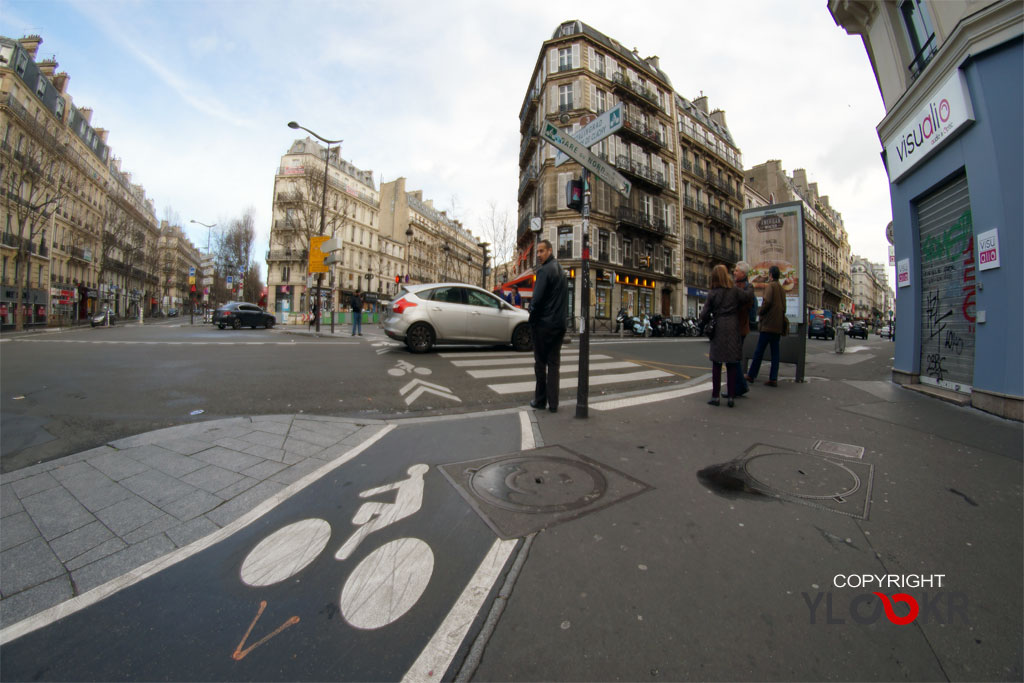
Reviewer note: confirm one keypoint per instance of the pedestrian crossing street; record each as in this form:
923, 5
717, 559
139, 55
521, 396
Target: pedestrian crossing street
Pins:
518, 368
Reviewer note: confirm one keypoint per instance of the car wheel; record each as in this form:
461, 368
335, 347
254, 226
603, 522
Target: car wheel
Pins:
522, 338
419, 338
270, 323
236, 324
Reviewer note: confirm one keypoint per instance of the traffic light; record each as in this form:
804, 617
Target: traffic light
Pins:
398, 279
574, 195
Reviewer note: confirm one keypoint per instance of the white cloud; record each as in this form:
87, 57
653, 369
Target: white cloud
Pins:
197, 95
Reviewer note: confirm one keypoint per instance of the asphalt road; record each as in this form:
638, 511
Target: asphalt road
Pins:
67, 392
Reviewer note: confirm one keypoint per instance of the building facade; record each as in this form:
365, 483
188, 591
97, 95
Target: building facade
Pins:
634, 242
951, 76
869, 291
431, 245
78, 235
826, 243
177, 258
351, 216
711, 196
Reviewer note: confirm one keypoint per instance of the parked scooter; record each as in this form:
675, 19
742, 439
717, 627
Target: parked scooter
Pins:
660, 326
639, 326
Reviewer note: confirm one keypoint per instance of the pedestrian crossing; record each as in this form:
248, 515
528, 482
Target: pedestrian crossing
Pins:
604, 370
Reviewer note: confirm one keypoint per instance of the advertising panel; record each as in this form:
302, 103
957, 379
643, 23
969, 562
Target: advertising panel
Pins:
774, 236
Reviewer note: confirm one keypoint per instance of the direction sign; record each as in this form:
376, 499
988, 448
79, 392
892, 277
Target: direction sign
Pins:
316, 256
191, 271
597, 130
588, 160
228, 281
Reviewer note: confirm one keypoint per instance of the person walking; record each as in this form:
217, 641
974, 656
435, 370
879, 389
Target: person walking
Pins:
356, 304
547, 323
312, 316
772, 327
724, 304
747, 317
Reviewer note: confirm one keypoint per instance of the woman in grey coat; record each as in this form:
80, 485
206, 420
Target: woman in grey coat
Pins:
727, 345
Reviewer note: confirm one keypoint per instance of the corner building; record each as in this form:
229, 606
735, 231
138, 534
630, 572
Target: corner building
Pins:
951, 76
582, 72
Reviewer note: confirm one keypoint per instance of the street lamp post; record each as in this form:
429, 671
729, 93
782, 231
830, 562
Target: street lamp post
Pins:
323, 207
408, 252
209, 232
483, 269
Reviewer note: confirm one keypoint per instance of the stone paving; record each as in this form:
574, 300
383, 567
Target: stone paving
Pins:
75, 523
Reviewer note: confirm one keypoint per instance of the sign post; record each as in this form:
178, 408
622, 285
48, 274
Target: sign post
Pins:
577, 151
595, 131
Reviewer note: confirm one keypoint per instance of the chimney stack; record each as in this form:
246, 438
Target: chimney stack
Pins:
31, 44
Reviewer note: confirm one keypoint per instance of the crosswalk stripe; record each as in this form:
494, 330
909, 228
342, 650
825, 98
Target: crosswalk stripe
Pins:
512, 372
566, 358
570, 382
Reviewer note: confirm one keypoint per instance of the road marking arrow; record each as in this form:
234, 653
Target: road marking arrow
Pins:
418, 387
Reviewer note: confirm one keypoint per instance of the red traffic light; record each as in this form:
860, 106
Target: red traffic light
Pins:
398, 278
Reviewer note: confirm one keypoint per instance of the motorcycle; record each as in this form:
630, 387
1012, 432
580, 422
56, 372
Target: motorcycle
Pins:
641, 327
660, 326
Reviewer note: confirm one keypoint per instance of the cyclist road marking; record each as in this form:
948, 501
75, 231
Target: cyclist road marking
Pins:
57, 612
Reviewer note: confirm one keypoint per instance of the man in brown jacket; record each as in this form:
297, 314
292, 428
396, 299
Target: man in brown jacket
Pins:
773, 326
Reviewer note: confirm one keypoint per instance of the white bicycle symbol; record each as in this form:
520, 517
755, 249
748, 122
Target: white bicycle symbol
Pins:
383, 586
404, 367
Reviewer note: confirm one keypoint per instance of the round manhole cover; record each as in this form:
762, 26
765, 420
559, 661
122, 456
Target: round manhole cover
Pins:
803, 476
538, 484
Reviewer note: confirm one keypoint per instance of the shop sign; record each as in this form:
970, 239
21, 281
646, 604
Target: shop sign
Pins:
699, 293
988, 250
903, 273
774, 236
932, 126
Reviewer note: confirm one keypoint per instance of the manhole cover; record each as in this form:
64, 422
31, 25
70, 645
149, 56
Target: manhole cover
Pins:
803, 476
520, 493
538, 484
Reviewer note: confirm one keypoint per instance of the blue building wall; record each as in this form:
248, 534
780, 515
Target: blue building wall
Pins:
991, 151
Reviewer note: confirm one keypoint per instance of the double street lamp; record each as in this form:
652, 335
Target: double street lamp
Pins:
323, 207
209, 232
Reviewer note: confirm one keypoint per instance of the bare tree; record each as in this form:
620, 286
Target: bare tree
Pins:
500, 232
35, 182
234, 253
301, 198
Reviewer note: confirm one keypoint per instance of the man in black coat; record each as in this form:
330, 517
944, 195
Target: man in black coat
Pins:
547, 321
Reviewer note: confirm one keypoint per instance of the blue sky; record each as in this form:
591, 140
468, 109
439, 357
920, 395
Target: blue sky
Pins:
196, 94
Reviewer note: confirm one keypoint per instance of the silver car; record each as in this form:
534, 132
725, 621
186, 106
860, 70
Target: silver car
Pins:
455, 313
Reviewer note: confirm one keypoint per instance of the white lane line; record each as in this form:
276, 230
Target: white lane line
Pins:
570, 382
512, 372
650, 398
437, 656
57, 612
518, 361
485, 354
527, 441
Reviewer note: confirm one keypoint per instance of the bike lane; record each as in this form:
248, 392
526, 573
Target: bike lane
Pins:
350, 578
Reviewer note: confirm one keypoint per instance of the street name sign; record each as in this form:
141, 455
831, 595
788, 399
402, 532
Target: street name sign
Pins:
579, 153
595, 131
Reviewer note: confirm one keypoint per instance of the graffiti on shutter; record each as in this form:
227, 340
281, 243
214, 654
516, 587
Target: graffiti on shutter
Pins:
947, 288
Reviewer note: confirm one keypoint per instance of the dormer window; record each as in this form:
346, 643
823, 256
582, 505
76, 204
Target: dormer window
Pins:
41, 86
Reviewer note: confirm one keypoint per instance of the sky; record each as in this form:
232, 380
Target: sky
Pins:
196, 94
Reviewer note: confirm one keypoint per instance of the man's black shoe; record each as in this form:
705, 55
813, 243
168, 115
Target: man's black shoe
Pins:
553, 409
538, 404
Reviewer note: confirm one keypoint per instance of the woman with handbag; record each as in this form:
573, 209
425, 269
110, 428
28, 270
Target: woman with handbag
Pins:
721, 323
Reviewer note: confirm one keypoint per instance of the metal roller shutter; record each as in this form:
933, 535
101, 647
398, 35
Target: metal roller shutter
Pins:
947, 287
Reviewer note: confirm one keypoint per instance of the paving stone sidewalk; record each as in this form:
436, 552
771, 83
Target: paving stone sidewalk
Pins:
75, 523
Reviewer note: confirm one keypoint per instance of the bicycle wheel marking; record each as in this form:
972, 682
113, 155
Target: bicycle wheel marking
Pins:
285, 552
387, 583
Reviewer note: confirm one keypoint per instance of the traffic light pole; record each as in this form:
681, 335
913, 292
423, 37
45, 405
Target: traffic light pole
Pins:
583, 382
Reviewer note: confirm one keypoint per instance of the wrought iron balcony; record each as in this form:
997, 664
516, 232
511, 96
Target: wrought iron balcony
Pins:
529, 107
529, 178
641, 171
721, 216
645, 134
529, 138
287, 255
638, 219
643, 94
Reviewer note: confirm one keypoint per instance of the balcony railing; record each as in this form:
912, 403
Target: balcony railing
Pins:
287, 255
529, 176
645, 133
923, 56
529, 137
639, 219
619, 79
532, 99
524, 224
721, 216
641, 171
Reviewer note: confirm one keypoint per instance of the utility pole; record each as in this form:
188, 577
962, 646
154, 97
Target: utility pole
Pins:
583, 384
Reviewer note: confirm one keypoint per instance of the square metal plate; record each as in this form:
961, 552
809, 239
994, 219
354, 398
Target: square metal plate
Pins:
523, 492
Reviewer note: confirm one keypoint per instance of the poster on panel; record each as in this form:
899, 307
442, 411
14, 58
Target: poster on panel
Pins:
774, 236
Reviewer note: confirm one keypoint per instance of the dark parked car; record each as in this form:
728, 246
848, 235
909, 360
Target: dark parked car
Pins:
858, 330
238, 314
102, 318
821, 328
173, 313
